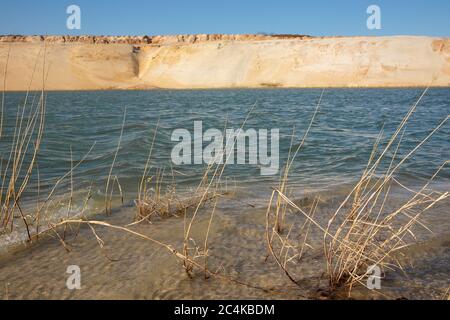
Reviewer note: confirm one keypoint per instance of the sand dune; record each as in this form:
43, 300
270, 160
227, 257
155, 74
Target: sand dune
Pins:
222, 61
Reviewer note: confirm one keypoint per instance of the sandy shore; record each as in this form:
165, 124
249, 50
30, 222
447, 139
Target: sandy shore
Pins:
222, 61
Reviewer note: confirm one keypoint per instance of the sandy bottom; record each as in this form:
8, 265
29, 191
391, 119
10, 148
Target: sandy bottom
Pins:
132, 268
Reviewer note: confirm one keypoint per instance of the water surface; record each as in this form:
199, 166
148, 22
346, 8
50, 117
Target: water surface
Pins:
333, 157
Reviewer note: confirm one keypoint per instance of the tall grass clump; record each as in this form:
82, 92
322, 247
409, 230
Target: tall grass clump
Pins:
372, 232
366, 229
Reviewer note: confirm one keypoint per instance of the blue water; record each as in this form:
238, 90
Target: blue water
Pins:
336, 150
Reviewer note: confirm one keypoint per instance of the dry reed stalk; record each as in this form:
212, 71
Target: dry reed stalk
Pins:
4, 90
145, 211
446, 295
205, 245
284, 181
109, 199
46, 209
275, 228
116, 180
69, 207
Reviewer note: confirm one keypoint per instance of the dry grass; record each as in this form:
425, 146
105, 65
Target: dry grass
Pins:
17, 167
371, 233
156, 201
446, 295
108, 190
281, 208
364, 230
160, 201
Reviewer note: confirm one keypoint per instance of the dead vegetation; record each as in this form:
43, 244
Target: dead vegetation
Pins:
364, 231
162, 199
25, 141
157, 201
19, 168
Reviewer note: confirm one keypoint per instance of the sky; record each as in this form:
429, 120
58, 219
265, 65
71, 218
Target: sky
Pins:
149, 17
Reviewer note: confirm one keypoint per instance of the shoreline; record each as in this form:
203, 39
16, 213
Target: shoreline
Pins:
231, 88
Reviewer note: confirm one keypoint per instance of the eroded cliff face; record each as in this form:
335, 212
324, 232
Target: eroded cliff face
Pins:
222, 61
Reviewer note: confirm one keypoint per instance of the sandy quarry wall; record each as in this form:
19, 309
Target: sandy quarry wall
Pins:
222, 61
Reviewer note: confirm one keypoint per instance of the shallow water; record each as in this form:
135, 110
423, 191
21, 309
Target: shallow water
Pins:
337, 149
129, 267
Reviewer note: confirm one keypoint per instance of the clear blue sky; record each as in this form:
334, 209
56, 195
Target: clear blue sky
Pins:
313, 17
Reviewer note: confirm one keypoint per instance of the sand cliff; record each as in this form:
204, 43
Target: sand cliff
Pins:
221, 61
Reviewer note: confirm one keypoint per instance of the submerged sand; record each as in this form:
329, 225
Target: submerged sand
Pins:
129, 267
222, 61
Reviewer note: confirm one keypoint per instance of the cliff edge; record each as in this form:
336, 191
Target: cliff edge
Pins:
221, 61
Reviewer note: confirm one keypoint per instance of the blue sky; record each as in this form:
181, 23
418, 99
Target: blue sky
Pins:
313, 17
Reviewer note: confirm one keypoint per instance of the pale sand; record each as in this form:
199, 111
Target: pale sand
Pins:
225, 62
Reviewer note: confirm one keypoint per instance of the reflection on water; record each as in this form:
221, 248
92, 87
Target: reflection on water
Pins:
335, 152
